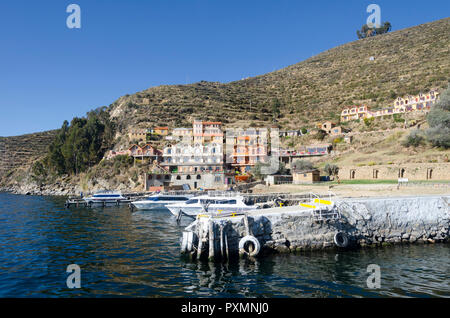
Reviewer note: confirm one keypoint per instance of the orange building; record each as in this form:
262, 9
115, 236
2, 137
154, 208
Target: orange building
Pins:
163, 131
248, 148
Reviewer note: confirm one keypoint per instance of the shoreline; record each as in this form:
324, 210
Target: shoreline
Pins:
357, 190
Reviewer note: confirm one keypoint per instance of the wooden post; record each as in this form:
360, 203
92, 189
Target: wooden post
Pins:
221, 241
211, 240
200, 240
179, 216
226, 247
247, 228
145, 181
248, 231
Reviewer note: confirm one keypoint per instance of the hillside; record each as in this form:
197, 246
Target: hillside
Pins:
22, 150
405, 62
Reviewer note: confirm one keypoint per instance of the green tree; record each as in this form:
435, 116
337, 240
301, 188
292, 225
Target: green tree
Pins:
302, 165
81, 144
256, 170
439, 121
276, 106
331, 169
366, 32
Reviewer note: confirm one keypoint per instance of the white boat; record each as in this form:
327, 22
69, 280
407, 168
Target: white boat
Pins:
159, 201
211, 204
104, 198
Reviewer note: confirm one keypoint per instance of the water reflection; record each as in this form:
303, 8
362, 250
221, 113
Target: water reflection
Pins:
137, 254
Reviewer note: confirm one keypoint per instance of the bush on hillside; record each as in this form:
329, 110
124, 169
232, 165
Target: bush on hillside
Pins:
415, 139
368, 121
302, 165
439, 121
366, 32
331, 169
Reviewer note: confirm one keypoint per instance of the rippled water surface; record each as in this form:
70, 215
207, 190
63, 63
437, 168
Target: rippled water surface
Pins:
137, 254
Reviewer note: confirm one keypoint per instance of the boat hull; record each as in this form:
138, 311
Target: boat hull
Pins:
196, 210
141, 205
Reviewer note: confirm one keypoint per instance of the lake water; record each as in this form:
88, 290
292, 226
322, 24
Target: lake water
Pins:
137, 255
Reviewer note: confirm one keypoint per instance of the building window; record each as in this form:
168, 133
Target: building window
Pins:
178, 177
199, 177
352, 174
167, 177
188, 177
401, 173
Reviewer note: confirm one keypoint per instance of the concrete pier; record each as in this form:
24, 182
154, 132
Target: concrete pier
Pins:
347, 223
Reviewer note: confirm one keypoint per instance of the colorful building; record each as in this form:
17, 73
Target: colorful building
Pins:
180, 133
245, 148
354, 113
163, 131
145, 152
111, 154
199, 151
421, 102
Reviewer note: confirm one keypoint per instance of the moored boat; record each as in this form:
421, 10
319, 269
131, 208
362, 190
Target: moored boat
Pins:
105, 198
211, 204
159, 201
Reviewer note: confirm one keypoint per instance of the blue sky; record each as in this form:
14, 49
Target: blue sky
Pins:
50, 73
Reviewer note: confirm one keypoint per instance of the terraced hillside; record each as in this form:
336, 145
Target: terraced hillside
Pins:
404, 62
21, 151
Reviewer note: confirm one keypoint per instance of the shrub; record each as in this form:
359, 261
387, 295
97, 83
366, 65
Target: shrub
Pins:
439, 136
398, 118
331, 169
321, 134
256, 170
414, 139
301, 165
439, 121
368, 121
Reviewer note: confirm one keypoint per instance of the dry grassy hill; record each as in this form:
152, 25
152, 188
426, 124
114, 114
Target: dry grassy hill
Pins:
405, 62
22, 150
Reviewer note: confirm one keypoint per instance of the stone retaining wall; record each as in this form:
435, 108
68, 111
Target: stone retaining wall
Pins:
411, 171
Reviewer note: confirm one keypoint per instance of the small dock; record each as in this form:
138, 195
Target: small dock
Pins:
80, 202
265, 200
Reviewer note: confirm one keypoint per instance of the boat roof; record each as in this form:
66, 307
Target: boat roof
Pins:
169, 195
107, 192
